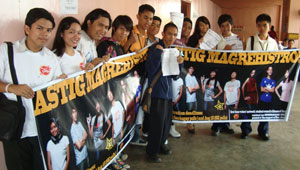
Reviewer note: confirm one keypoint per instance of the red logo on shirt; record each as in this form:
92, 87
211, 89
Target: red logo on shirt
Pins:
45, 70
81, 65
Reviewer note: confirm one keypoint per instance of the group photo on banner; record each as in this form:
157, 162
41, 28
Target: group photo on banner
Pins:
228, 86
86, 120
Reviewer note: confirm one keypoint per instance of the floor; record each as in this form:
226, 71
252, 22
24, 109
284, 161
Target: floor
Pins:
229, 152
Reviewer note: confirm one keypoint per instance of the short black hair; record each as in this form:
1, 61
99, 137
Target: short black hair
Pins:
186, 19
146, 7
122, 20
263, 17
170, 24
38, 13
94, 15
223, 18
157, 19
290, 40
286, 39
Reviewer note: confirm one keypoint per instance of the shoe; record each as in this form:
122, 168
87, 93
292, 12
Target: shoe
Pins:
116, 166
174, 133
264, 136
145, 135
166, 142
139, 142
165, 150
215, 133
244, 136
123, 164
227, 130
191, 128
154, 159
123, 156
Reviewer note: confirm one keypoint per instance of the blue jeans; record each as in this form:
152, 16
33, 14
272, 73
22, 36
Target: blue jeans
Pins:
191, 106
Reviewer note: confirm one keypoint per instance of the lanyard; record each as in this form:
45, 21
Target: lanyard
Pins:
263, 47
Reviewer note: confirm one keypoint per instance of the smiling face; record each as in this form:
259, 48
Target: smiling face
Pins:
186, 29
53, 129
72, 35
145, 19
270, 71
191, 70
98, 28
203, 28
38, 34
286, 75
226, 29
110, 96
154, 28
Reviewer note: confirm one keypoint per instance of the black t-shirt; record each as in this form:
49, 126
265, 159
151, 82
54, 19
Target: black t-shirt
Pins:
108, 47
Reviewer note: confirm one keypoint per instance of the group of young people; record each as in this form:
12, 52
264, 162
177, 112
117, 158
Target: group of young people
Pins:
83, 46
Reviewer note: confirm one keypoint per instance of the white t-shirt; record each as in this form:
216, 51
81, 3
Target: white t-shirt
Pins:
190, 81
209, 89
33, 69
72, 64
176, 85
116, 112
77, 131
259, 45
87, 47
286, 90
231, 89
58, 153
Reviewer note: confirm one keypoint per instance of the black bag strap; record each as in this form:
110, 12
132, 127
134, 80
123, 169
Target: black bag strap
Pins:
252, 42
12, 67
156, 78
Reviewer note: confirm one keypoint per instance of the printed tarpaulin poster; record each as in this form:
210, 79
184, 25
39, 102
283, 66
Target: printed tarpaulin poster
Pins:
236, 86
86, 120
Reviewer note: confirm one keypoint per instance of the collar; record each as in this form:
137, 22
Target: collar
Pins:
23, 48
137, 31
267, 40
86, 36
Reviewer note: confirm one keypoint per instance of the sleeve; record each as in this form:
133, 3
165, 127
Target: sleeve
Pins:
67, 142
195, 81
273, 83
74, 135
180, 82
101, 49
187, 81
153, 61
218, 84
48, 149
57, 69
248, 44
225, 87
3, 60
238, 84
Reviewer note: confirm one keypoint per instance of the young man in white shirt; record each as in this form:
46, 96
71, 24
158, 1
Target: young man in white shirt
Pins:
35, 65
260, 42
94, 27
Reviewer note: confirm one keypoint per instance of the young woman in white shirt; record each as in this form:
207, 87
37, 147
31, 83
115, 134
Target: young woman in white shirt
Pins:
66, 39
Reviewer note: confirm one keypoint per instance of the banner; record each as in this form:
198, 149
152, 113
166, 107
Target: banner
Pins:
235, 86
86, 120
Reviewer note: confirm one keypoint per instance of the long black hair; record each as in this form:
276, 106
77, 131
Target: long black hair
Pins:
59, 43
193, 40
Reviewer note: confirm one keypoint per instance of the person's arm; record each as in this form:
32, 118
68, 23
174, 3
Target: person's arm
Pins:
202, 79
220, 91
132, 39
243, 88
225, 107
238, 99
256, 93
180, 94
153, 62
276, 90
109, 125
90, 127
49, 160
68, 157
20, 90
